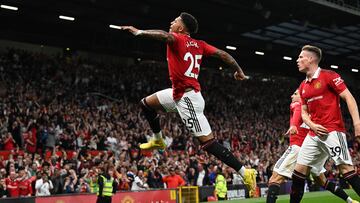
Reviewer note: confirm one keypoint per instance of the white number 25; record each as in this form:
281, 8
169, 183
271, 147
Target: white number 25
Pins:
193, 64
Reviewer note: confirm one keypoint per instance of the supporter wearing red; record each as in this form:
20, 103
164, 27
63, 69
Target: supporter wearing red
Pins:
30, 141
9, 142
173, 180
25, 188
12, 184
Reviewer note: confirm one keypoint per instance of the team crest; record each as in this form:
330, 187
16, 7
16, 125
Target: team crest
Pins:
317, 85
127, 199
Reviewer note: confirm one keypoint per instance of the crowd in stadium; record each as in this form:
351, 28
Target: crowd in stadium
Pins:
63, 120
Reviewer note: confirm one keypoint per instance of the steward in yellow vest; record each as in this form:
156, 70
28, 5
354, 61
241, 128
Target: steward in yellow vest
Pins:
220, 186
107, 187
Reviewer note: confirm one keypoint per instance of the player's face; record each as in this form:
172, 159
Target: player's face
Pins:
303, 61
176, 25
296, 96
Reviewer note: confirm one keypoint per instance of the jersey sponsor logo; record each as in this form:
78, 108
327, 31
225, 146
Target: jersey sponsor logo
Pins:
192, 44
317, 85
338, 81
314, 98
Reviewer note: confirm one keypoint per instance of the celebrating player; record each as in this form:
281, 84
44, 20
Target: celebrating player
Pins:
284, 167
320, 97
184, 56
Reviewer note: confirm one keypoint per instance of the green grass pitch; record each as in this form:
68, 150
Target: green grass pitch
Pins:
309, 197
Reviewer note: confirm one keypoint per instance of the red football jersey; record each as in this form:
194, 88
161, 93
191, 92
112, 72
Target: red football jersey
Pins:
184, 57
25, 187
12, 187
296, 120
321, 95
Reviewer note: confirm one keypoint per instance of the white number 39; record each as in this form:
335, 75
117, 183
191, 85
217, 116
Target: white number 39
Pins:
193, 64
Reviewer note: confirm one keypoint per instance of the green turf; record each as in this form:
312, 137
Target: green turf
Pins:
309, 197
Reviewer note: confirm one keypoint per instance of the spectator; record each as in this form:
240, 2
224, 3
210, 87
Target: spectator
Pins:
202, 176
12, 184
25, 188
173, 180
139, 182
3, 189
43, 186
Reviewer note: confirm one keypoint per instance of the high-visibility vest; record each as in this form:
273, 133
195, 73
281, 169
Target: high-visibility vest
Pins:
107, 186
94, 186
220, 186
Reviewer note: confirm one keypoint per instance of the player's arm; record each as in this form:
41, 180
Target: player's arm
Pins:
353, 109
318, 129
295, 120
153, 34
230, 61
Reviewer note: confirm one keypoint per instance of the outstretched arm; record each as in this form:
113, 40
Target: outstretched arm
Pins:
153, 34
230, 61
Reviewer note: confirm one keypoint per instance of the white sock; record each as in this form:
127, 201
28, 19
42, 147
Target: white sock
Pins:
349, 200
158, 135
242, 171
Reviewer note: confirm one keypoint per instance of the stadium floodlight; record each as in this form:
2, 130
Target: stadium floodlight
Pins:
355, 70
334, 66
115, 27
288, 58
67, 18
259, 53
9, 7
231, 47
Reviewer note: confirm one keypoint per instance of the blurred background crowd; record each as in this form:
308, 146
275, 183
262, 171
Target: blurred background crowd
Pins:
64, 120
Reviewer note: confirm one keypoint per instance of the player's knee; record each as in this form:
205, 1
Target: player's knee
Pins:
205, 138
148, 111
276, 178
345, 168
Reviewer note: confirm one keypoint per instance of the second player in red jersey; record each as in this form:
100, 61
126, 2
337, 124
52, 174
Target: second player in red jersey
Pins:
320, 93
321, 96
298, 130
284, 167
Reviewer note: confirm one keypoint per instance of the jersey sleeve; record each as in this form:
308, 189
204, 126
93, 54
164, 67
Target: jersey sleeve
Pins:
336, 82
301, 93
295, 119
176, 37
208, 49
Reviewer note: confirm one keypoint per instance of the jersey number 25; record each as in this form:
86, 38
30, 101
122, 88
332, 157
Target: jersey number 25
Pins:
193, 64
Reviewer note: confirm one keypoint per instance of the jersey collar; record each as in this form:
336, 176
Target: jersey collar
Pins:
316, 75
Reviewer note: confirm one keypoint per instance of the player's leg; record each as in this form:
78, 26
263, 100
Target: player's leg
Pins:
298, 182
337, 148
283, 168
274, 187
191, 110
311, 155
350, 176
332, 187
160, 101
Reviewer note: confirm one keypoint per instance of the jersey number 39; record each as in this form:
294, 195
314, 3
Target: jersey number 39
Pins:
193, 64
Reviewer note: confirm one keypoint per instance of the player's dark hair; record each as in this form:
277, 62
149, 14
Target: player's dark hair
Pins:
316, 50
190, 22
